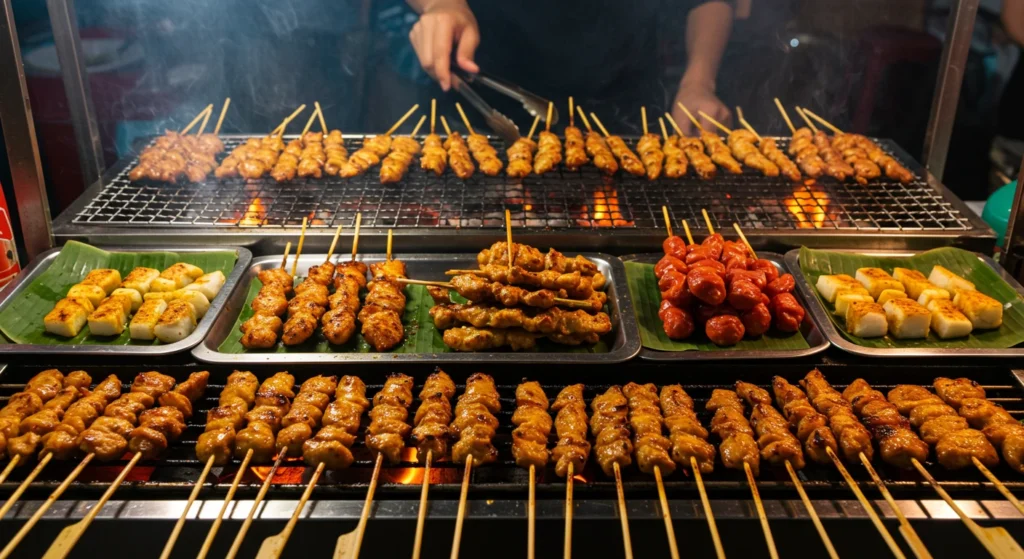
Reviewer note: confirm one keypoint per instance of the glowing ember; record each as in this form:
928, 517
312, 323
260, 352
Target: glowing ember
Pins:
606, 209
254, 214
808, 207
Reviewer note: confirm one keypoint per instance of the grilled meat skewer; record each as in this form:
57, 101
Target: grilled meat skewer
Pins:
553, 320
689, 438
609, 426
572, 448
388, 418
777, 444
737, 445
159, 426
468, 338
939, 424
332, 444
1001, 428
810, 426
224, 421
35, 427
431, 434
475, 422
743, 146
897, 442
533, 426
381, 316
649, 443
853, 438
306, 413
62, 440
339, 323
107, 437
273, 400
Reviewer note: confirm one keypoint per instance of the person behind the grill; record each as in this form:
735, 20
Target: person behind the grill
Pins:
605, 53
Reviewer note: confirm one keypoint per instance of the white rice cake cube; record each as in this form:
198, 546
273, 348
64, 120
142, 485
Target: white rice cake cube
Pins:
82, 302
907, 319
949, 281
208, 284
947, 321
828, 285
140, 279
109, 318
913, 281
182, 274
843, 301
104, 278
198, 300
889, 294
93, 293
162, 285
931, 294
162, 295
983, 311
143, 325
877, 280
866, 320
176, 322
66, 319
134, 296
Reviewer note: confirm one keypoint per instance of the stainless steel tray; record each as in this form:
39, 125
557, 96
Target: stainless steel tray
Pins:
820, 314
42, 263
810, 329
624, 341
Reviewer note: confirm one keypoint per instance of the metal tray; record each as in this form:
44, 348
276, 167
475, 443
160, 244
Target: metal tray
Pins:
42, 263
810, 329
820, 314
625, 337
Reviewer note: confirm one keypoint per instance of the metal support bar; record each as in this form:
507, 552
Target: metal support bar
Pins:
1014, 247
947, 88
20, 138
68, 42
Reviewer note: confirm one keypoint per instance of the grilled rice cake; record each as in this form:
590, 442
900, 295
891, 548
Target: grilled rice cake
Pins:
866, 320
932, 293
143, 325
829, 285
889, 294
107, 279
66, 319
914, 282
983, 311
208, 284
843, 301
947, 321
134, 296
93, 293
109, 318
140, 279
907, 319
176, 322
877, 280
946, 279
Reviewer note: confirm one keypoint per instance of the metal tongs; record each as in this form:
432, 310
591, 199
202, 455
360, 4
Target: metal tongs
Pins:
501, 124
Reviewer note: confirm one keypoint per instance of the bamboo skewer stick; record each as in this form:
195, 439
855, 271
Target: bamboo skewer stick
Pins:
461, 516
716, 539
11, 545
749, 128
349, 544
533, 127
10, 468
875, 519
785, 116
465, 120
320, 114
25, 483
389, 246
279, 131
223, 113
675, 125
421, 518
433, 114
623, 518
664, 131
403, 119
70, 535
668, 221
600, 126
508, 237
547, 122
810, 511
583, 117
334, 243
686, 228
643, 118
824, 122
196, 120
576, 303
273, 546
750, 247
707, 221
720, 126
355, 236
212, 534
284, 259
240, 536
774, 553
206, 120
447, 130
690, 116
419, 123
173, 538
906, 530
977, 463
309, 122
531, 514
673, 547
809, 122
567, 546
298, 251
572, 117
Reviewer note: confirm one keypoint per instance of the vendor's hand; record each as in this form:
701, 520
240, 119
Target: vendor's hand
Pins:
699, 97
442, 24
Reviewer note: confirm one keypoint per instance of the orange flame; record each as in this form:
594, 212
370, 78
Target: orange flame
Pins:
606, 209
254, 214
808, 207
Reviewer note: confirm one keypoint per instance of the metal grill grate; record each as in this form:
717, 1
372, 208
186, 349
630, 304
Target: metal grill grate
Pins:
584, 199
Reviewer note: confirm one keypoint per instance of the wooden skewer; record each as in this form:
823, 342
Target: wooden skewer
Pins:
10, 468
664, 132
977, 463
196, 120
531, 514
623, 518
996, 540
320, 114
403, 119
212, 534
273, 546
583, 117
739, 232
720, 126
423, 119
715, 537
675, 125
461, 516
875, 519
206, 120
433, 114
298, 251
334, 243
465, 120
577, 303
223, 113
750, 128
355, 237
686, 228
597, 121
309, 122
444, 123
673, 547
508, 237
643, 117
279, 131
547, 123
533, 127
567, 546
824, 122
906, 529
421, 518
572, 117
690, 115
774, 553
240, 536
707, 221
809, 122
69, 536
668, 221
739, 112
349, 544
173, 538
11, 545
785, 116
25, 484
810, 511
389, 246
284, 259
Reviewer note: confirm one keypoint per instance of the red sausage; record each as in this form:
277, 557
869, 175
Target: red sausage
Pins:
678, 324
678, 294
737, 263
714, 244
669, 262
706, 285
703, 313
725, 330
757, 320
732, 249
770, 271
784, 284
755, 277
696, 253
744, 295
670, 278
717, 266
674, 246
787, 312
664, 306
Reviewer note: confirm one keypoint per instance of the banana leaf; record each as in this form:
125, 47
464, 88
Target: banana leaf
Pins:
815, 263
21, 320
643, 288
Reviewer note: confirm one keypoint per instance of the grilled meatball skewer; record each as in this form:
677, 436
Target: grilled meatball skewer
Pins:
810, 426
1002, 429
897, 442
273, 400
161, 425
956, 444
332, 444
224, 421
388, 418
853, 438
306, 414
777, 444
738, 447
689, 439
62, 440
32, 413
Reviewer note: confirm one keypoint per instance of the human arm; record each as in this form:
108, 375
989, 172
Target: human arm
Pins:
707, 32
1013, 20
442, 25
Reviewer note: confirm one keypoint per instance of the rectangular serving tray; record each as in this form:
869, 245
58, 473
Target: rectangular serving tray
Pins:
624, 341
819, 312
42, 263
810, 329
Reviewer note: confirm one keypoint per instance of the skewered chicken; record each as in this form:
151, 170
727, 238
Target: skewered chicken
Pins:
435, 157
520, 158
62, 440
650, 445
549, 152
575, 148
835, 165
388, 426
693, 148
468, 338
609, 427
897, 442
381, 315
689, 438
339, 323
575, 284
403, 150
810, 426
599, 152
853, 438
374, 149
287, 165
743, 146
720, 153
870, 150
533, 260
857, 158
431, 433
458, 156
312, 157
999, 427
572, 447
306, 413
161, 425
224, 421
533, 426
174, 156
737, 445
553, 320
676, 163
332, 444
475, 421
107, 437
777, 444
939, 424
651, 154
335, 153
485, 155
627, 159
33, 428
308, 305
479, 290
263, 421
786, 166
263, 328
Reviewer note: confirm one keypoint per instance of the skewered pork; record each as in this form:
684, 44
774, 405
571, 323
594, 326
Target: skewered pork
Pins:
608, 425
485, 155
676, 162
693, 148
572, 447
435, 156
374, 149
263, 421
627, 159
999, 427
431, 433
335, 153
388, 426
575, 148
332, 445
810, 426
458, 156
955, 443
533, 426
107, 437
689, 438
305, 414
520, 158
853, 438
553, 320
720, 153
475, 422
339, 323
743, 146
549, 152
224, 421
600, 153
381, 315
737, 445
396, 164
897, 442
650, 445
777, 444
651, 154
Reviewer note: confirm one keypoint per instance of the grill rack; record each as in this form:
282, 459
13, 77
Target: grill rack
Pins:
176, 472
562, 202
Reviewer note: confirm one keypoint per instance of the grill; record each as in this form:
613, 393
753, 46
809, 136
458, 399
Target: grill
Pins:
563, 203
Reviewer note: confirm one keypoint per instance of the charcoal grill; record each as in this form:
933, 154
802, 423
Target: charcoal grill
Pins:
156, 490
574, 210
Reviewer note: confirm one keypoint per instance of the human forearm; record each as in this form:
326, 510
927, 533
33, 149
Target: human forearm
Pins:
1013, 20
707, 32
422, 6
